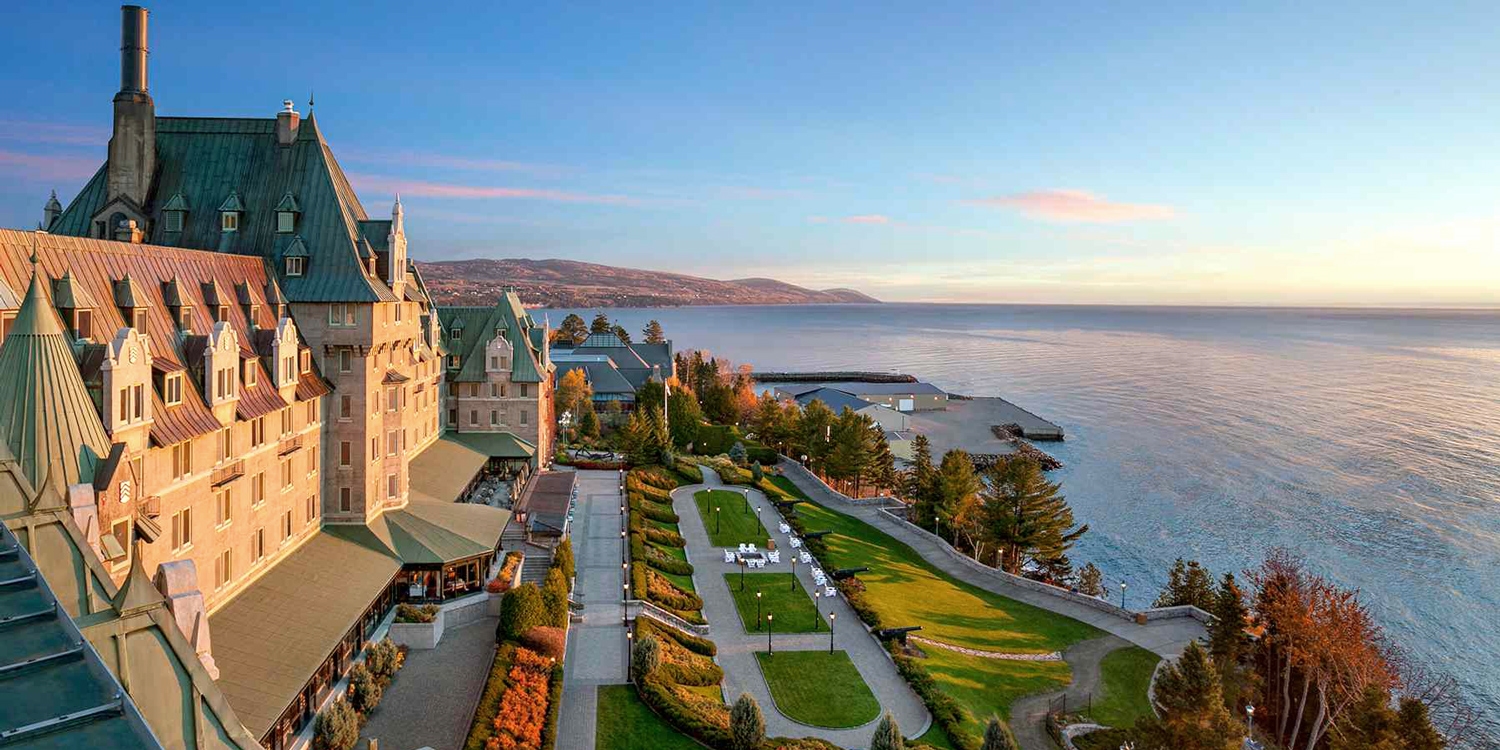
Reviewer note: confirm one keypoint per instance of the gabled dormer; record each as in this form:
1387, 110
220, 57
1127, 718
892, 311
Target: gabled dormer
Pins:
367, 258
216, 300
231, 212
275, 298
294, 259
283, 354
498, 353
248, 304
75, 305
221, 365
179, 303
126, 373
174, 215
133, 303
287, 213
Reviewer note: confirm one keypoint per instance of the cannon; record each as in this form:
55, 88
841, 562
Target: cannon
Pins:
886, 634
842, 573
816, 534
786, 505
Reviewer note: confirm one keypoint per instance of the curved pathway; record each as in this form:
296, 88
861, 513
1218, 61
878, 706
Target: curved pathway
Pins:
1028, 715
737, 648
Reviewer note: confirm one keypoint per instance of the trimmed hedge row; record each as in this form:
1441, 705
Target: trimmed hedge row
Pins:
667, 564
694, 719
853, 590
663, 536
946, 712
700, 646
653, 511
662, 591
554, 708
489, 701
689, 469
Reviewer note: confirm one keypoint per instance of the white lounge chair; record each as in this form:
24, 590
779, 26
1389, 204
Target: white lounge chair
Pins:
728, 556
785, 529
744, 548
796, 542
829, 591
774, 556
806, 558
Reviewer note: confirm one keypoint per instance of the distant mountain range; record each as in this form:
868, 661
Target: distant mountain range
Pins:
569, 283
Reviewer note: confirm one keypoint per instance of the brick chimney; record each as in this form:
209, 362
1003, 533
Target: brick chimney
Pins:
287, 121
132, 146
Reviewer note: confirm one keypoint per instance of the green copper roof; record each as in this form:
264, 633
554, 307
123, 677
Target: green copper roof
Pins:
47, 418
479, 325
288, 203
176, 203
232, 203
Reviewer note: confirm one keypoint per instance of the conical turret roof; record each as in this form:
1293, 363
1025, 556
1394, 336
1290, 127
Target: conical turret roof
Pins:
47, 419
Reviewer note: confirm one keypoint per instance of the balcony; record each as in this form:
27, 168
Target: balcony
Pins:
227, 473
151, 506
289, 446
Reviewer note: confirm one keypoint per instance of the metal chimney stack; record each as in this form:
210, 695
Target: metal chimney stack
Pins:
133, 49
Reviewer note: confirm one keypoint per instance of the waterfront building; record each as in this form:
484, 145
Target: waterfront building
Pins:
903, 397
887, 418
614, 369
221, 444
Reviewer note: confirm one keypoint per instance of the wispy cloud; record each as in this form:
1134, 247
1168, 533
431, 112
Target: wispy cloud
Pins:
424, 160
867, 219
1075, 206
55, 133
34, 167
383, 184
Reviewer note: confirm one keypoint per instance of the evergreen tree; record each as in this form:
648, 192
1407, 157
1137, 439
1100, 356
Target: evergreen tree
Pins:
684, 416
645, 657
882, 469
521, 610
1091, 581
1227, 642
620, 333
555, 598
1369, 724
562, 559
1414, 727
850, 454
747, 728
588, 422
815, 433
643, 438
737, 453
1188, 583
887, 735
651, 396
767, 421
653, 334
364, 689
337, 728
996, 737
601, 323
921, 483
1027, 517
956, 483
1193, 716
572, 331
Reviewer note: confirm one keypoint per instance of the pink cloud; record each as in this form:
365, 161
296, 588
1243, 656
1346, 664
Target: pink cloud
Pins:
381, 184
1075, 206
34, 167
867, 219
448, 161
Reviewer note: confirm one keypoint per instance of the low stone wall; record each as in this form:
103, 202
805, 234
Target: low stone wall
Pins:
466, 610
788, 465
1172, 613
418, 635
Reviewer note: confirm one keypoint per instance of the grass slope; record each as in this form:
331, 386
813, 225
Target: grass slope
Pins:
625, 723
818, 688
1125, 674
735, 526
794, 609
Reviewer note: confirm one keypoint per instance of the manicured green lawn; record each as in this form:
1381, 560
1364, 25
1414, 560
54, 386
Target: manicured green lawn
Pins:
734, 526
785, 486
684, 582
793, 608
625, 723
907, 590
989, 686
1125, 674
818, 688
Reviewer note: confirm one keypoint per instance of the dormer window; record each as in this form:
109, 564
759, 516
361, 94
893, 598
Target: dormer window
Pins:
174, 213
286, 214
295, 266
306, 361
138, 319
457, 334
172, 221
172, 389
83, 324
249, 376
221, 313
185, 319
230, 212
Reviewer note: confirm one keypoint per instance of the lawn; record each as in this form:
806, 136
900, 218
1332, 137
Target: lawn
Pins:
786, 486
818, 688
907, 590
625, 723
734, 526
684, 582
989, 686
794, 609
1125, 674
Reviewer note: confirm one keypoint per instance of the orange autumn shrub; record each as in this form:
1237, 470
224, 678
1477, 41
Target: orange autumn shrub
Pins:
523, 708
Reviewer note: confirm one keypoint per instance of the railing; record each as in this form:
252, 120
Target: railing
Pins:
647, 609
289, 445
151, 506
224, 474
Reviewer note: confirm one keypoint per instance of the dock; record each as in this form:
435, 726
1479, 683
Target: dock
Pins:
969, 424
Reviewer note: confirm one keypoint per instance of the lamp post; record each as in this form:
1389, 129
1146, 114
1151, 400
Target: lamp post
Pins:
757, 610
629, 648
1122, 595
742, 574
769, 618
717, 516
831, 617
794, 573
1250, 721
817, 607
745, 497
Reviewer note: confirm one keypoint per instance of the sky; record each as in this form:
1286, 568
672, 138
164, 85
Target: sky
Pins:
1265, 153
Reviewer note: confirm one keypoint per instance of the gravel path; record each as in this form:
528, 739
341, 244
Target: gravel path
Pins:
431, 701
1028, 715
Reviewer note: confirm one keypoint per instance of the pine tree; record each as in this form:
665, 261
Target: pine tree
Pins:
1188, 583
1027, 516
996, 737
555, 598
588, 422
337, 728
653, 334
572, 331
887, 735
814, 433
620, 333
921, 483
737, 453
882, 469
956, 483
684, 416
747, 728
1091, 581
601, 323
1369, 724
1414, 727
1227, 642
645, 657
1193, 716
643, 438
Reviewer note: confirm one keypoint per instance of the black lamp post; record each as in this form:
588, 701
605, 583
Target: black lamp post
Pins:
817, 607
831, 617
629, 643
745, 496
794, 573
742, 574
717, 516
769, 617
757, 610
1122, 595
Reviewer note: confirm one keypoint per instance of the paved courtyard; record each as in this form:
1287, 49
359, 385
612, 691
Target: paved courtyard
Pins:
431, 701
737, 648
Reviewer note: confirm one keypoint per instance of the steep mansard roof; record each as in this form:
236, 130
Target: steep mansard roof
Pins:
478, 324
98, 265
203, 161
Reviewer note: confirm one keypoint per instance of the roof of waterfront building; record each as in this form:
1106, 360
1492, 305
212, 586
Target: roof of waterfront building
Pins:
872, 389
467, 331
637, 363
834, 399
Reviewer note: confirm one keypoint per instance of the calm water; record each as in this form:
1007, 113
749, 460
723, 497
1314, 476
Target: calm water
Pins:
1368, 441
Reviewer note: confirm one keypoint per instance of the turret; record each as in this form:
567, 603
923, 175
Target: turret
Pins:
50, 212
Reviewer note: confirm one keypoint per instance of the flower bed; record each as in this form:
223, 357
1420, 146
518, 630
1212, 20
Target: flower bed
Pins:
507, 575
523, 707
406, 613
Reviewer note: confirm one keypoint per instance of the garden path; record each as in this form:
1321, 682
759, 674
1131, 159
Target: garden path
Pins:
431, 701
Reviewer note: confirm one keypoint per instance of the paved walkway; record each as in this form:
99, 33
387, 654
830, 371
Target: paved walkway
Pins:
1028, 715
596, 646
431, 701
737, 648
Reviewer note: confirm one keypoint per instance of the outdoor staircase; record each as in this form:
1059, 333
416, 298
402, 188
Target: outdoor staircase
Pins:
534, 567
514, 537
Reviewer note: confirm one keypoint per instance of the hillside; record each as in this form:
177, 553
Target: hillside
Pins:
568, 283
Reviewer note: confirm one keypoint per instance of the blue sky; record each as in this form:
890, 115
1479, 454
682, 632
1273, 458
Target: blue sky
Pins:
1040, 152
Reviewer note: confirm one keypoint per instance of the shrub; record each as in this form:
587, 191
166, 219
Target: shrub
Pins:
554, 706
737, 453
548, 641
364, 689
757, 473
520, 611
691, 713
689, 469
946, 712
409, 613
666, 593
664, 536
653, 511
562, 559
853, 590
692, 643
489, 701
760, 454
337, 728
747, 728
523, 708
502, 580
645, 658
887, 735
684, 667
384, 659
555, 599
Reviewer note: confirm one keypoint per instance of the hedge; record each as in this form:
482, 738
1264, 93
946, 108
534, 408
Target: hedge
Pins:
853, 590
689, 469
522, 714
693, 643
554, 707
946, 712
408, 613
666, 593
489, 701
663, 536
654, 512
673, 707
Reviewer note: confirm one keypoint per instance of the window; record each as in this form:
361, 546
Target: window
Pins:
312, 509
494, 362
523, 417
223, 568
345, 361
124, 404
474, 390
138, 401
121, 532
173, 220
182, 529
494, 390
229, 221
225, 447
139, 316
390, 486
391, 443
83, 324
286, 474
312, 411
138, 464
257, 546
341, 314
344, 452
312, 460
494, 417
286, 421
524, 390
503, 391
257, 431
224, 512
295, 265
452, 417
473, 416
391, 400
453, 361
172, 386
250, 368
257, 489
346, 501
182, 459
221, 313
286, 526
185, 318
305, 363
456, 334
286, 221
346, 407
374, 449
